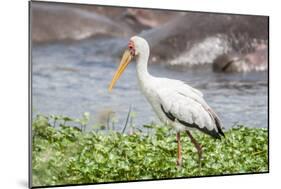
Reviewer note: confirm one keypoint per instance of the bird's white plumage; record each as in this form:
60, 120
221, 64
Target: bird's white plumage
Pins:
178, 99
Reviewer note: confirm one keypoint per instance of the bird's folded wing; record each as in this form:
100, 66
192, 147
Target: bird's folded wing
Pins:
185, 109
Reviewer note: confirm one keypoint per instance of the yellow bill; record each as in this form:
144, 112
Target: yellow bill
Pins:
126, 59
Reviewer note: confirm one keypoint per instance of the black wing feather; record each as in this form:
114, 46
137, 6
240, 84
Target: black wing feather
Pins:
212, 132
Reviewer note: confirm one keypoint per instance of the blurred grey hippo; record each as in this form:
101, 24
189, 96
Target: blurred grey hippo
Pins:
194, 39
53, 22
177, 38
234, 62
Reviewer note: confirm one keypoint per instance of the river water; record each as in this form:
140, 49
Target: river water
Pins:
72, 78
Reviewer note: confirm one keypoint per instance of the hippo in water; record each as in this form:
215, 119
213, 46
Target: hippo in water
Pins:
176, 38
234, 62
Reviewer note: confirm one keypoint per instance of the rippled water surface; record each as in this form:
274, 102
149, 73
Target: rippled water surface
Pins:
72, 78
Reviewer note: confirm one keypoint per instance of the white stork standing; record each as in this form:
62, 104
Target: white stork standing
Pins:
176, 103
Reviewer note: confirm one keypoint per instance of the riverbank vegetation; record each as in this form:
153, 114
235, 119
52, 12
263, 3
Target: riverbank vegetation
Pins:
63, 154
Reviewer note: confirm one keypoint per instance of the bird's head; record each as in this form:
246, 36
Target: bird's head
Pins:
136, 46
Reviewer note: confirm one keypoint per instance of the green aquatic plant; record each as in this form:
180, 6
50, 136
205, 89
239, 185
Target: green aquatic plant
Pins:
66, 155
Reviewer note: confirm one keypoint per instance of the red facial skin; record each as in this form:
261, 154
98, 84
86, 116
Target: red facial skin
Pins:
131, 47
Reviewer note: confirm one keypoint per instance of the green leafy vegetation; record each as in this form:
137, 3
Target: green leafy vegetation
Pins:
62, 154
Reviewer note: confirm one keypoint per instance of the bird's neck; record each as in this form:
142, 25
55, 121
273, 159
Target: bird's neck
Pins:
142, 72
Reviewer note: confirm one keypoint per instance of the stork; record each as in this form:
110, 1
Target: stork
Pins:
176, 103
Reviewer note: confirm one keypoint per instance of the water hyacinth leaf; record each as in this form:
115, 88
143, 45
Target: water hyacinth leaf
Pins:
68, 156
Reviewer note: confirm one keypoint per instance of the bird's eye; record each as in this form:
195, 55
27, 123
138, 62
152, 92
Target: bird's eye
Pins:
131, 45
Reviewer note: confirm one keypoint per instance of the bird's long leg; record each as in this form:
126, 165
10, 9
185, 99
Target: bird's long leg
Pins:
179, 160
197, 146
